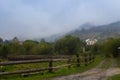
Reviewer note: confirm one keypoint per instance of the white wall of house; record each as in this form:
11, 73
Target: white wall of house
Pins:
91, 41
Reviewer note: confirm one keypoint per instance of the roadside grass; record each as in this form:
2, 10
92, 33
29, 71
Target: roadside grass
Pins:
60, 72
116, 77
106, 63
118, 62
29, 66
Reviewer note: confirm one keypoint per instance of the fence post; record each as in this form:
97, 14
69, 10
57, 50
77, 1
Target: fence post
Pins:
90, 58
69, 62
50, 65
85, 58
93, 59
78, 60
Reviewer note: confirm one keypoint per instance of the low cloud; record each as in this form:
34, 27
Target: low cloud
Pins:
42, 18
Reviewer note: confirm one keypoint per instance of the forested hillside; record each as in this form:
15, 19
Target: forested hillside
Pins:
98, 32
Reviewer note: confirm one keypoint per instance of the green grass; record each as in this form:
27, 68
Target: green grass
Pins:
29, 66
22, 66
59, 72
106, 64
118, 62
116, 77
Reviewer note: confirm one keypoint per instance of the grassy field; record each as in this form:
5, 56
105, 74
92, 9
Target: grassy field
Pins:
47, 75
116, 77
106, 63
29, 66
118, 62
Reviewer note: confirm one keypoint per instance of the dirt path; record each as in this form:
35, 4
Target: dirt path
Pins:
98, 73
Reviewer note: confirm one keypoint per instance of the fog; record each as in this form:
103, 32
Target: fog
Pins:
30, 19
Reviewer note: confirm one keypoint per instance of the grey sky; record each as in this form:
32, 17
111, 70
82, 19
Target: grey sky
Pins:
41, 18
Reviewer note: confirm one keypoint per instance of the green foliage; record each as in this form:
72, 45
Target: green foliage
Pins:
115, 77
110, 47
43, 48
15, 40
4, 50
68, 45
1, 41
95, 49
27, 46
14, 46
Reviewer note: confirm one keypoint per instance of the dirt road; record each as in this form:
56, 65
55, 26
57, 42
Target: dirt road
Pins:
98, 73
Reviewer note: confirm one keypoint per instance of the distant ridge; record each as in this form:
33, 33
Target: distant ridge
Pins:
91, 31
98, 32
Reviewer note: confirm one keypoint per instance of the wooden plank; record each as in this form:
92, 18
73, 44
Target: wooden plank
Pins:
33, 57
29, 61
23, 71
57, 67
32, 70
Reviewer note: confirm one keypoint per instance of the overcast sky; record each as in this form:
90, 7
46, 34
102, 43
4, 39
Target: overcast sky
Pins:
41, 18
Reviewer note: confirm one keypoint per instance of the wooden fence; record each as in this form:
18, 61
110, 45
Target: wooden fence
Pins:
78, 60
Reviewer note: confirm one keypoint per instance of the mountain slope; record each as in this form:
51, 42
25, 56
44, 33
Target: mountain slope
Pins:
99, 32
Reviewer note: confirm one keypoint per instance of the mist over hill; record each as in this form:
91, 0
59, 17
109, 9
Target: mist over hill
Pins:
89, 30
98, 32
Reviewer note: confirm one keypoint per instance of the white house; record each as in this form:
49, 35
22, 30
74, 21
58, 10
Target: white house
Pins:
90, 41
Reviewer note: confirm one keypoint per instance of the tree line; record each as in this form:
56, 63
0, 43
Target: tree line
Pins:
68, 45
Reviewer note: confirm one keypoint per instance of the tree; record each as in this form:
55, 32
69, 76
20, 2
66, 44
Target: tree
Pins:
110, 47
1, 41
4, 50
43, 48
68, 45
95, 49
43, 41
28, 45
14, 46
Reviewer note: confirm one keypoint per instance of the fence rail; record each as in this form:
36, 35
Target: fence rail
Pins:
86, 60
29, 61
34, 57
